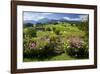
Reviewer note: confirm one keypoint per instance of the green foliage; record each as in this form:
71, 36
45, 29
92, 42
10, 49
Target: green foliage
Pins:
46, 40
77, 48
28, 25
30, 32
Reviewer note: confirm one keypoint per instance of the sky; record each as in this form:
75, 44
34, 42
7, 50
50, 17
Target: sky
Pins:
36, 16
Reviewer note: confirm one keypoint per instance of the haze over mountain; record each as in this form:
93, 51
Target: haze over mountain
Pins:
40, 17
46, 20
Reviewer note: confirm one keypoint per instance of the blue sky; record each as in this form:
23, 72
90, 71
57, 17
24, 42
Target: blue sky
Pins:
36, 16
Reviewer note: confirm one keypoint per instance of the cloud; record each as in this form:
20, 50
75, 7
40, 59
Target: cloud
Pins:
46, 13
83, 17
80, 18
35, 15
38, 18
72, 19
39, 15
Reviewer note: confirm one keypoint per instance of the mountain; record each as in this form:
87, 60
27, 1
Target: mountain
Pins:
46, 20
30, 21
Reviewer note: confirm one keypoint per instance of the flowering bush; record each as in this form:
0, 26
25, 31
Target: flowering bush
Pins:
77, 48
44, 46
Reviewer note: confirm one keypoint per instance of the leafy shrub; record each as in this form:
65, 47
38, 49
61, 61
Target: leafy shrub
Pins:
48, 28
28, 25
77, 48
45, 46
30, 32
57, 43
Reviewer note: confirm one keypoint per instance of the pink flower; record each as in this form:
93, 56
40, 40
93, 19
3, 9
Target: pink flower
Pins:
32, 45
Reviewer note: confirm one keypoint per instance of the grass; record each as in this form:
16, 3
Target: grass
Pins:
63, 56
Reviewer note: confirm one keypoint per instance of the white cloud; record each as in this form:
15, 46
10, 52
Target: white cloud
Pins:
38, 18
72, 19
84, 18
35, 16
46, 13
67, 18
80, 18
